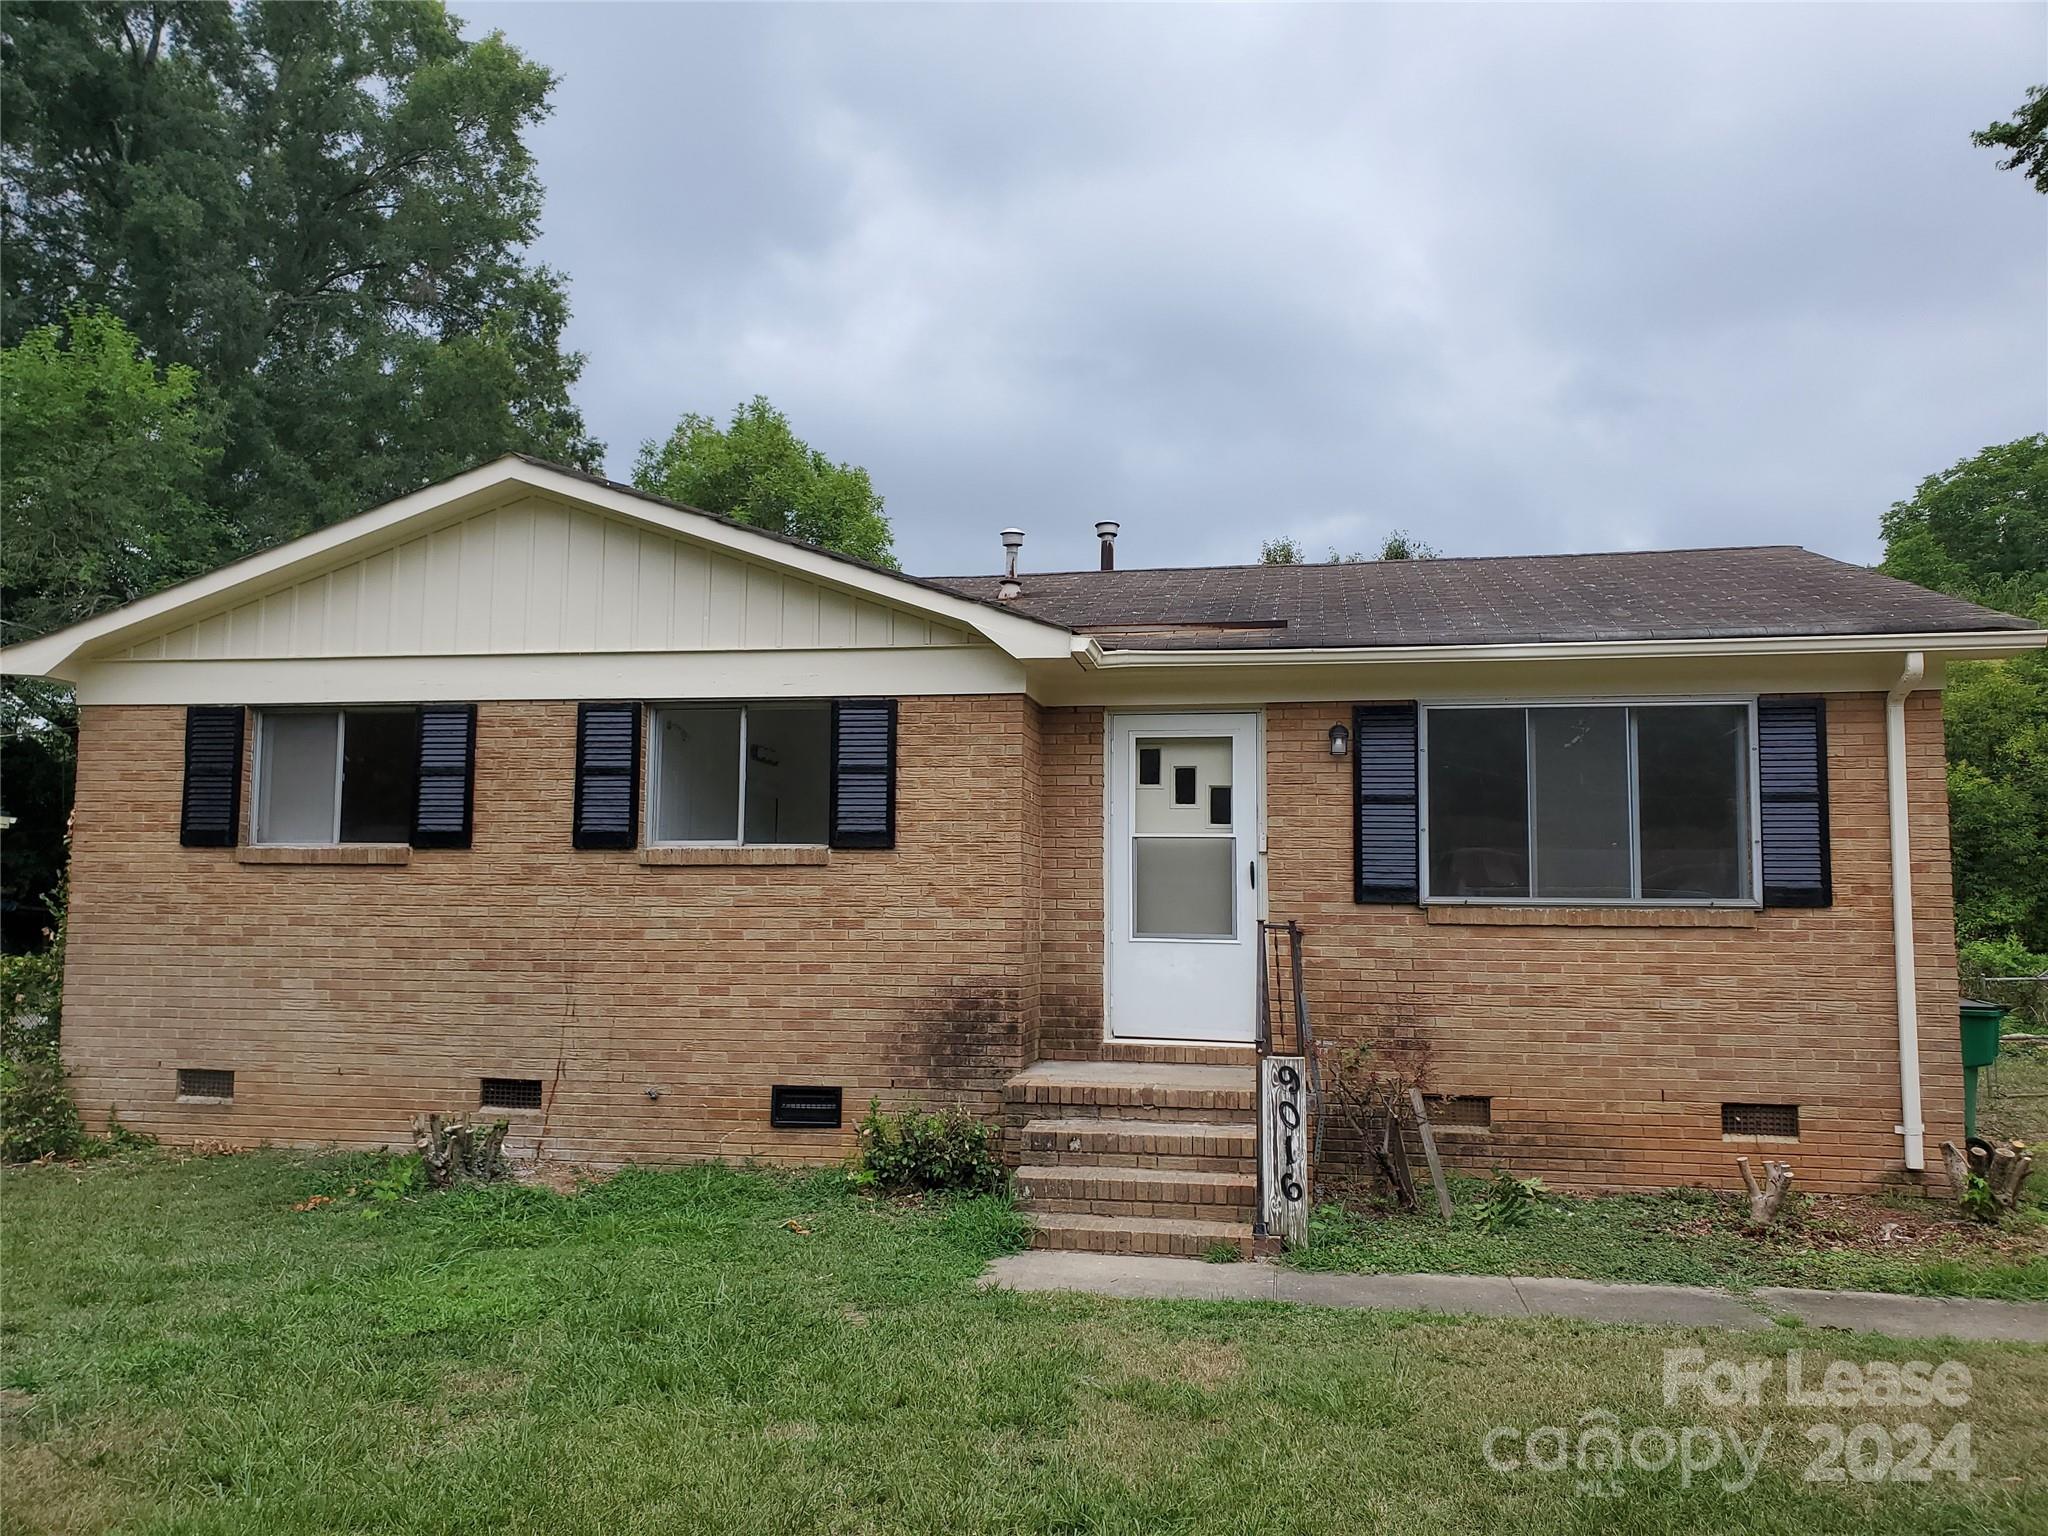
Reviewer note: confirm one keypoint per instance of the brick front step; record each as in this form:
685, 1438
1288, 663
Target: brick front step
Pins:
1157, 1192
1136, 1234
1198, 1146
1180, 1055
1131, 1090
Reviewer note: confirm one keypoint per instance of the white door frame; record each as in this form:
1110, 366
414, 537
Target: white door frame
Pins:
1223, 1016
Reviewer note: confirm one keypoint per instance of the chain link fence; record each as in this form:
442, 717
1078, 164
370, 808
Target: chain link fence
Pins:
2013, 1099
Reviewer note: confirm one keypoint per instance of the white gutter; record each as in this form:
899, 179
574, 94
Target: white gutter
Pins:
1985, 644
1912, 1128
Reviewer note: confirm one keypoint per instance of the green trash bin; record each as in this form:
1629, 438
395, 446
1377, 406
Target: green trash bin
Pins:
1982, 1023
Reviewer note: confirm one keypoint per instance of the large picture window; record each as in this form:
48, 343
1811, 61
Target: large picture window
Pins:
1568, 803
336, 775
740, 773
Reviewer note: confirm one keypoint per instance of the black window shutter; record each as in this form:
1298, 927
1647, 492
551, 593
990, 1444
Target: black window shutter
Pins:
442, 812
1792, 780
1386, 820
212, 811
864, 773
607, 775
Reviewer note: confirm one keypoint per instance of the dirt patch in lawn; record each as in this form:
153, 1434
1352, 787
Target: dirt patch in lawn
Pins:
1911, 1225
562, 1178
1893, 1242
1192, 1362
1904, 1228
61, 1479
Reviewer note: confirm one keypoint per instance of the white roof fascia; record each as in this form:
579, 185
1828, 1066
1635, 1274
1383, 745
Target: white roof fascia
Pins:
1962, 645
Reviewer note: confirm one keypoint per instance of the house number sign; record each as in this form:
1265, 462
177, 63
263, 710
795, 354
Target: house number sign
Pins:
1283, 1109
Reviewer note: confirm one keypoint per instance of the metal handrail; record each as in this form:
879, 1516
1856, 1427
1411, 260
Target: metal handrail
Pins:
1262, 1033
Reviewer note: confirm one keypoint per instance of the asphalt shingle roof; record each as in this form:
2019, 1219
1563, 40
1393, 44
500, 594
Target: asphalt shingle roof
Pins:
1516, 599
1673, 594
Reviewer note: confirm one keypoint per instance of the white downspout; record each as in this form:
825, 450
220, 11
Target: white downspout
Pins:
1913, 1129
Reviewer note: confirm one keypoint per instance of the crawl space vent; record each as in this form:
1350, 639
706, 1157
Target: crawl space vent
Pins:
511, 1093
1461, 1112
803, 1108
205, 1083
1759, 1119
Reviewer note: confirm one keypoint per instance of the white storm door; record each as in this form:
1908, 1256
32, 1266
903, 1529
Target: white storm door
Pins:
1183, 892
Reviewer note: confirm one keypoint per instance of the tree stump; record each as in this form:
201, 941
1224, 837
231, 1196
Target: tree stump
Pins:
456, 1150
2004, 1167
1766, 1198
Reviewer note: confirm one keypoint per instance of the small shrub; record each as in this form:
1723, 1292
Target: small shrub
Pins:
1978, 1202
400, 1179
1508, 1202
119, 1138
947, 1150
37, 1117
31, 992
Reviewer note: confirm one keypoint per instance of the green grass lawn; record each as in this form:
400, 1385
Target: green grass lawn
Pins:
1910, 1244
715, 1350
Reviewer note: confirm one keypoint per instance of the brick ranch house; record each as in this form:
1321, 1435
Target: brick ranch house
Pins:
675, 840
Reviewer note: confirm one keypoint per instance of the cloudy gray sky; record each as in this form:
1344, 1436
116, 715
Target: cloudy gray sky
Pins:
1517, 278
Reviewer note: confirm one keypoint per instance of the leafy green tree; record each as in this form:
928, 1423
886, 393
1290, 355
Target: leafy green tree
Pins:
1979, 530
2025, 138
1398, 545
759, 472
322, 209
104, 459
1403, 545
1282, 551
313, 219
102, 478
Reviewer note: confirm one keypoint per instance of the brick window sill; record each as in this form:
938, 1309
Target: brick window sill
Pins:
339, 853
744, 857
1592, 917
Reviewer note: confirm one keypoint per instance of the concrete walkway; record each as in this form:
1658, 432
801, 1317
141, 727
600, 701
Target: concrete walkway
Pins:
1680, 1306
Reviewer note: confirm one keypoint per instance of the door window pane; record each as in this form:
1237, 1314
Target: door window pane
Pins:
1580, 759
295, 799
1182, 798
1184, 887
1692, 774
1478, 803
379, 766
697, 792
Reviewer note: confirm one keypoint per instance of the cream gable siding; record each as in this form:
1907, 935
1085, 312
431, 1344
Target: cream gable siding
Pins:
539, 576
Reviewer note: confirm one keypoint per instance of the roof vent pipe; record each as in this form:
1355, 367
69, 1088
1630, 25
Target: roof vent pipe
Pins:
1106, 531
1013, 540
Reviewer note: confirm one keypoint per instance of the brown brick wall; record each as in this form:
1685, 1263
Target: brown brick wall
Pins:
1071, 970
346, 998
1608, 1050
